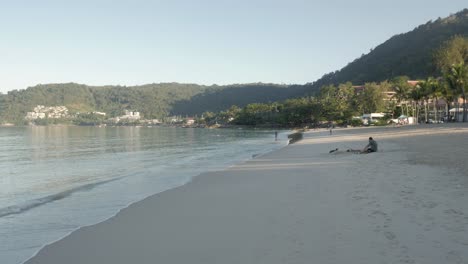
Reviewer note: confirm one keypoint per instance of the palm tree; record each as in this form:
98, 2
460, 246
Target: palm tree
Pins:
456, 78
425, 93
401, 88
436, 93
416, 96
447, 95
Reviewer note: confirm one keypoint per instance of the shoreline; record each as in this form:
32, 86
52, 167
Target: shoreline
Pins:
233, 162
212, 198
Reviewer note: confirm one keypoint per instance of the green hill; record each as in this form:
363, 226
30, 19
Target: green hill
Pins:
215, 100
409, 54
152, 100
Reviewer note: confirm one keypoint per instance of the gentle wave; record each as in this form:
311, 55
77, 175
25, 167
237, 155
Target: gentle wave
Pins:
28, 205
140, 162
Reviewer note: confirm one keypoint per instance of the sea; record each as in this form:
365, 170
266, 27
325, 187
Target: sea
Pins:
56, 179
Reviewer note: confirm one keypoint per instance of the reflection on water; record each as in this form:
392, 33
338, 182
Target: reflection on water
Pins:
36, 160
75, 176
60, 142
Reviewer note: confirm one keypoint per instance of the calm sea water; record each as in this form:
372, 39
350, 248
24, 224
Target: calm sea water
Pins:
54, 180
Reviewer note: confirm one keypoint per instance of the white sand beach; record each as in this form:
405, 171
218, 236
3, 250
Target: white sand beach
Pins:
408, 203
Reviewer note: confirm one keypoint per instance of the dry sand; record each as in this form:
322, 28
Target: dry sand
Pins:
407, 203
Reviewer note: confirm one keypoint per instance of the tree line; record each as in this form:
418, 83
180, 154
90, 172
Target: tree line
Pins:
340, 103
153, 101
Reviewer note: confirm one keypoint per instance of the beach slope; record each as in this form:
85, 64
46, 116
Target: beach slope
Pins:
408, 203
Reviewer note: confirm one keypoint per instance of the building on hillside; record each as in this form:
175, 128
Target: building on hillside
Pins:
34, 115
155, 121
359, 88
130, 116
389, 95
189, 121
413, 82
40, 112
176, 120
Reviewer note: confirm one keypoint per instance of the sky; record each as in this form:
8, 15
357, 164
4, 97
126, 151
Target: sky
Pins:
101, 42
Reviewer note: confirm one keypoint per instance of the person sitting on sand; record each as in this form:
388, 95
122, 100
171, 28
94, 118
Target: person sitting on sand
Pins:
371, 147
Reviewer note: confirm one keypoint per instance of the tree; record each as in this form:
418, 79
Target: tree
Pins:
337, 102
416, 96
447, 95
371, 98
401, 89
453, 51
436, 93
452, 59
329, 102
425, 93
457, 77
345, 96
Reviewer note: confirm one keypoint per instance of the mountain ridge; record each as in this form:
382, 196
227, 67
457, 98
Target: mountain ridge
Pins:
409, 54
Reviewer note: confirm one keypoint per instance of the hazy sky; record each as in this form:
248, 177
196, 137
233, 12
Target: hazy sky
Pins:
101, 42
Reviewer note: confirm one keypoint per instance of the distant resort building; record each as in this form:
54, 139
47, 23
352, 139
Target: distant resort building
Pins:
41, 112
190, 121
34, 115
99, 113
372, 117
130, 116
153, 122
175, 120
389, 95
412, 82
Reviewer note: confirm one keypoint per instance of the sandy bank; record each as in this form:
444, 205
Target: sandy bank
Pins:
405, 204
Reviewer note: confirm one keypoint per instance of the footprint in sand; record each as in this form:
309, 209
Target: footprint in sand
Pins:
357, 197
461, 242
430, 205
376, 213
404, 256
389, 235
453, 212
454, 257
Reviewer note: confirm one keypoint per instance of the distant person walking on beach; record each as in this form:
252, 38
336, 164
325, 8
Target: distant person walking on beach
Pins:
276, 135
372, 146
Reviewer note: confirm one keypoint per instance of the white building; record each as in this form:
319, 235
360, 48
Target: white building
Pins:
372, 117
40, 112
190, 121
35, 115
129, 116
456, 114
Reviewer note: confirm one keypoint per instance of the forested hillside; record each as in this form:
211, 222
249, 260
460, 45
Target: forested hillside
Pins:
409, 54
214, 100
152, 100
